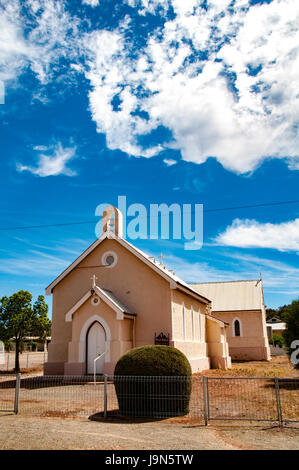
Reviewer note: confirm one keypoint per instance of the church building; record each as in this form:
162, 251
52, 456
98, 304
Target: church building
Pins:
114, 297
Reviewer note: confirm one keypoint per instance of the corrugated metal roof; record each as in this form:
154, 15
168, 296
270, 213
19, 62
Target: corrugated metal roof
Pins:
232, 295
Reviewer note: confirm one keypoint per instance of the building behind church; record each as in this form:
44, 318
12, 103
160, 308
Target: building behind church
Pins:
241, 305
114, 297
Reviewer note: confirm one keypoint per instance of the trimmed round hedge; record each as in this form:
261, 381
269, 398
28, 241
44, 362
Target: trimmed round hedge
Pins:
153, 381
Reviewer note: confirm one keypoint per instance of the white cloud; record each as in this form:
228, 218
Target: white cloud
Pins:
222, 79
42, 262
108, 69
92, 3
52, 165
169, 161
33, 264
51, 33
235, 102
54, 36
13, 49
293, 163
150, 6
252, 234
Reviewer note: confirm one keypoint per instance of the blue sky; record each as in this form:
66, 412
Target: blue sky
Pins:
162, 101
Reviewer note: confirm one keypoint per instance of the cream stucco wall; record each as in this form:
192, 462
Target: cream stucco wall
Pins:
202, 345
134, 283
253, 342
217, 344
119, 336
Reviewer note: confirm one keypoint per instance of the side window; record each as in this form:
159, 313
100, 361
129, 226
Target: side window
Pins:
192, 322
237, 328
199, 326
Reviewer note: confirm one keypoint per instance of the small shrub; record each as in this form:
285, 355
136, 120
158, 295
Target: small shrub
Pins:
153, 381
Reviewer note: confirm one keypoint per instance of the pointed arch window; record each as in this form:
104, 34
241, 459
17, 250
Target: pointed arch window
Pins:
184, 320
199, 326
192, 322
237, 327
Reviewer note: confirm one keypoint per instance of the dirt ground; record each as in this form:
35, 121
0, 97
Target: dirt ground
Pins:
54, 417
279, 366
33, 433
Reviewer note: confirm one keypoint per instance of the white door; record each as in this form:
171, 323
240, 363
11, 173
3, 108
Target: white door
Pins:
95, 346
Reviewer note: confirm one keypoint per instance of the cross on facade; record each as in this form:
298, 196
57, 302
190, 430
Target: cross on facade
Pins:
94, 278
161, 258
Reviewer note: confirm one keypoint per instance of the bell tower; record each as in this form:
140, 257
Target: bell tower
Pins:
112, 221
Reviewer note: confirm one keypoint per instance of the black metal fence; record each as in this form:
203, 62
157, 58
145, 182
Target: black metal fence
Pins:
197, 398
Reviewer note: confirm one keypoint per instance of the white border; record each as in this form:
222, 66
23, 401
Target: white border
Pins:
233, 327
109, 253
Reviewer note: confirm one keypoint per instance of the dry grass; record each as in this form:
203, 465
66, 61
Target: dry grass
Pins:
37, 370
278, 367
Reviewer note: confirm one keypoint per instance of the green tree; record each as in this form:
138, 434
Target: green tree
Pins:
16, 317
277, 340
271, 313
19, 318
42, 324
291, 318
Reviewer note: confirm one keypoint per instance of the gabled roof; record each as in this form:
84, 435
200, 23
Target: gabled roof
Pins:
233, 295
173, 279
107, 296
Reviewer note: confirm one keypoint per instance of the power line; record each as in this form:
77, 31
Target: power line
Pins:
253, 205
150, 216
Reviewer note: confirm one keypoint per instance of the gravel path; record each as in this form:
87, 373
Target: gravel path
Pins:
23, 432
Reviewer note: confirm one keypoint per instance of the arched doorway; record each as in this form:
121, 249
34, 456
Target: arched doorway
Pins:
95, 345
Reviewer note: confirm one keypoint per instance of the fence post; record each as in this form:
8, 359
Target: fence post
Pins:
7, 360
205, 399
105, 395
278, 402
27, 363
17, 393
